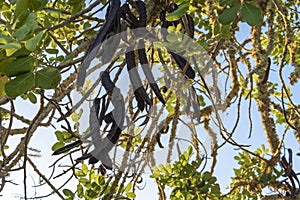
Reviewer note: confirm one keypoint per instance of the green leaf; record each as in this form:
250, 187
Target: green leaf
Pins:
130, 195
32, 98
237, 158
47, 78
251, 14
84, 181
92, 176
19, 85
163, 169
186, 156
229, 14
68, 193
181, 10
59, 136
31, 44
22, 52
201, 100
33, 25
22, 32
204, 190
28, 25
226, 32
76, 5
156, 173
21, 8
212, 180
11, 48
86, 25
85, 169
91, 194
65, 135
34, 5
201, 184
4, 62
3, 80
76, 8
60, 58
128, 187
76, 116
190, 150
80, 193
19, 66
4, 39
79, 173
30, 19
226, 2
168, 168
52, 51
215, 189
57, 145
206, 176
263, 147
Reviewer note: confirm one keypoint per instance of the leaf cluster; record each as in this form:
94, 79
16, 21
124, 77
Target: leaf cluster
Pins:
253, 175
185, 179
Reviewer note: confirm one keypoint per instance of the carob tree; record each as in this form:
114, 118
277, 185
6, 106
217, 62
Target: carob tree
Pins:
47, 49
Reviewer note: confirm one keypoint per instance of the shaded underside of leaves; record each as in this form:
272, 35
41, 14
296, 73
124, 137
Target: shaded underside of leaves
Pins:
251, 14
47, 78
229, 14
19, 85
181, 10
19, 66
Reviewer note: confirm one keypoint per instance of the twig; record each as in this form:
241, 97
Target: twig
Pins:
44, 178
72, 18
